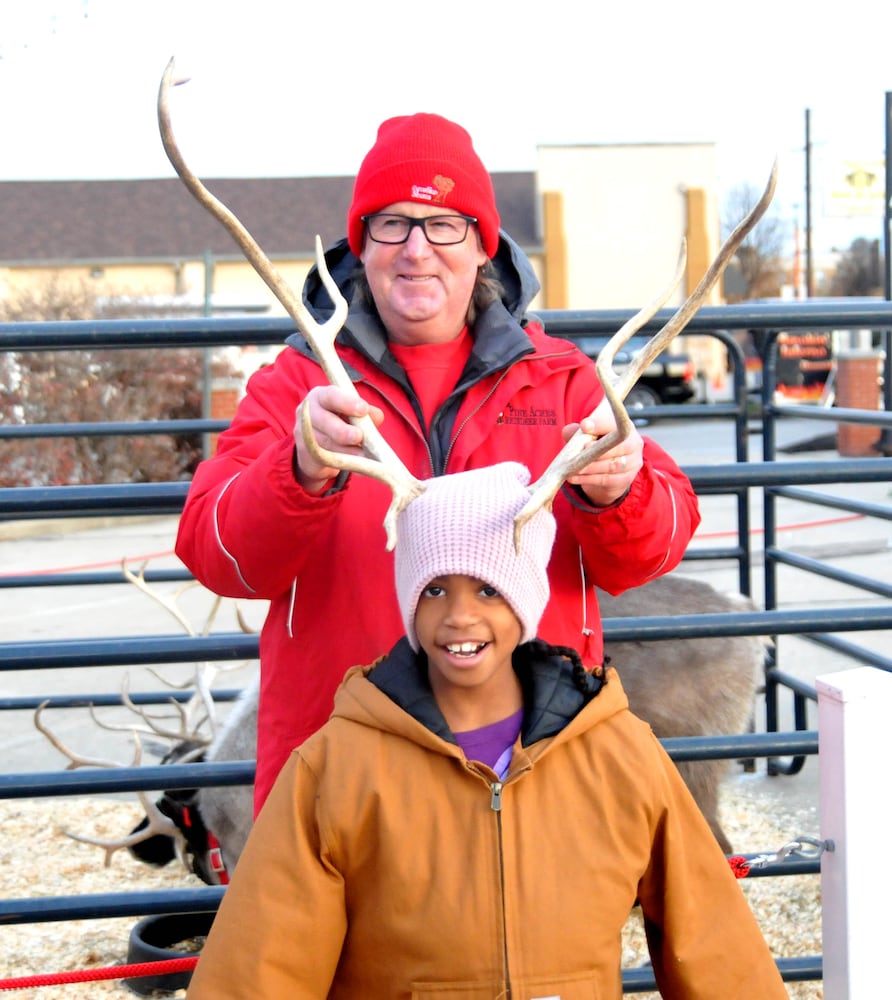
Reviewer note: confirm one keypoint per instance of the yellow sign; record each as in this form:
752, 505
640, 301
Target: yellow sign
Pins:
856, 187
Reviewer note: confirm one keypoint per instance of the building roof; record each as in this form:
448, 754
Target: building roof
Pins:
103, 221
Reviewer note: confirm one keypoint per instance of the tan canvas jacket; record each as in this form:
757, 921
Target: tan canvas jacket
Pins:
384, 865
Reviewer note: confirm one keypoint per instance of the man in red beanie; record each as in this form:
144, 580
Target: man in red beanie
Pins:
407, 163
456, 375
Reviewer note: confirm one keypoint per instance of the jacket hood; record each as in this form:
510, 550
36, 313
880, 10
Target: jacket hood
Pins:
394, 695
512, 266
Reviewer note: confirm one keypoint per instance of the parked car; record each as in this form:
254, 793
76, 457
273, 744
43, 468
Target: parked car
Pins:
668, 379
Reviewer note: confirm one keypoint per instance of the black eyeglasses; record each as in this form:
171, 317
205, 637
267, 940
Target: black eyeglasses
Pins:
441, 230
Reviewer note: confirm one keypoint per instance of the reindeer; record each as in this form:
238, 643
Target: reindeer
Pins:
690, 687
724, 679
174, 826
682, 687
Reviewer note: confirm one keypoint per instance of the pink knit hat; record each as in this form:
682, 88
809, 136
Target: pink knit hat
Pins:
464, 524
428, 159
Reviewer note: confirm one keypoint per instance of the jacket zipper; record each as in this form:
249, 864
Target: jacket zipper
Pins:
472, 414
495, 803
412, 428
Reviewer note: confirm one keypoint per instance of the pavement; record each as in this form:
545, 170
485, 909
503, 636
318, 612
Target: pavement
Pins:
847, 543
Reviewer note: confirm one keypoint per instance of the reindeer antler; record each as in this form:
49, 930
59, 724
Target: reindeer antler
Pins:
582, 448
382, 462
157, 823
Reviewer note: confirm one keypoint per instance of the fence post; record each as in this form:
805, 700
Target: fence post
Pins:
854, 761
858, 388
225, 395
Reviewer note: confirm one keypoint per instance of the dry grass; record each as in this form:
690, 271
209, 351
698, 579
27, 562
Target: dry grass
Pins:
38, 859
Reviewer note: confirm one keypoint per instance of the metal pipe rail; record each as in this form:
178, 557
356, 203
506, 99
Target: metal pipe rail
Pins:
216, 774
132, 428
224, 646
33, 502
224, 331
775, 479
29, 703
792, 970
777, 680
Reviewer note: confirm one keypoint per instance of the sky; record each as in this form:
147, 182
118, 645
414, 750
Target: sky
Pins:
282, 88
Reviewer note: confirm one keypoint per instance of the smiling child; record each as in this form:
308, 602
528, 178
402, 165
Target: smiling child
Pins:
481, 813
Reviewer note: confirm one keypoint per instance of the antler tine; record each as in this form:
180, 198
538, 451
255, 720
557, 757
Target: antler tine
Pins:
158, 822
403, 485
689, 307
158, 825
575, 455
582, 448
76, 760
386, 465
249, 246
616, 386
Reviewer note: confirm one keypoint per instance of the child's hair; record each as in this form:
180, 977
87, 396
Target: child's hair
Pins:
463, 524
589, 682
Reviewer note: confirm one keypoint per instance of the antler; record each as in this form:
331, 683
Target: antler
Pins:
382, 462
158, 823
189, 725
582, 448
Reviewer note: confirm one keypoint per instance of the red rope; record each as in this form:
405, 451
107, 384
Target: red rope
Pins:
94, 565
801, 526
739, 866
109, 972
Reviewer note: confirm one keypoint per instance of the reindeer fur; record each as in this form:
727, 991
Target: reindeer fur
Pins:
689, 687
229, 810
682, 687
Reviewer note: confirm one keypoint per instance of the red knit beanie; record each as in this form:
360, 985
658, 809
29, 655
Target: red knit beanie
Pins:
428, 159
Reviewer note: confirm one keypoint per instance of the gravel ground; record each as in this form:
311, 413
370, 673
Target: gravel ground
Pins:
38, 859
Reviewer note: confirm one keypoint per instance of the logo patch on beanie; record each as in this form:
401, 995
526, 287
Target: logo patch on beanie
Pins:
437, 192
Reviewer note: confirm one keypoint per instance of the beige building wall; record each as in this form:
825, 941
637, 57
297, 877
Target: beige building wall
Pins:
135, 278
234, 284
612, 218
624, 211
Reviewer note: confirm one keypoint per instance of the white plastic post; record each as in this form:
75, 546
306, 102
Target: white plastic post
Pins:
855, 762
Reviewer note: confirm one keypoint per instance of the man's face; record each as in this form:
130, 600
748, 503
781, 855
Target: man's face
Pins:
422, 291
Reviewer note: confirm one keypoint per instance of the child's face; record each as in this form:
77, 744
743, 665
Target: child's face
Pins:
469, 633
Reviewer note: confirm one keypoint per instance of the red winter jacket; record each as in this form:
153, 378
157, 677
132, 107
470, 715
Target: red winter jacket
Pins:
248, 530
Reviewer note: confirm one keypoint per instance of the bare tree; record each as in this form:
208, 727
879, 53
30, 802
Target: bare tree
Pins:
860, 270
759, 260
55, 298
70, 387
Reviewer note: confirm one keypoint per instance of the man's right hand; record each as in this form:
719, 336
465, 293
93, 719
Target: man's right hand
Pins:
330, 409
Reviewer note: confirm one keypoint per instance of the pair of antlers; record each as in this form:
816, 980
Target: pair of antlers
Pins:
379, 461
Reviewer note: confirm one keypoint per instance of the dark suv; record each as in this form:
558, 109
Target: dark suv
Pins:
668, 379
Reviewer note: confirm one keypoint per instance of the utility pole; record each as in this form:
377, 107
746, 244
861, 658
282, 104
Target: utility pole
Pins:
887, 229
884, 444
206, 354
809, 283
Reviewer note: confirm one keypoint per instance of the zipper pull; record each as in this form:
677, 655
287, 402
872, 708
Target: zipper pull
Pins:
495, 801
